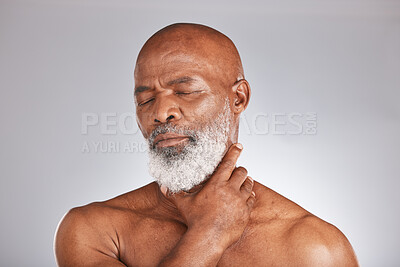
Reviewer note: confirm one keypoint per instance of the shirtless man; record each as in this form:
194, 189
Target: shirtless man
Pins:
202, 210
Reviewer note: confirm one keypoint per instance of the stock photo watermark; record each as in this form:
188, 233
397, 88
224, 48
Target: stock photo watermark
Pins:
112, 125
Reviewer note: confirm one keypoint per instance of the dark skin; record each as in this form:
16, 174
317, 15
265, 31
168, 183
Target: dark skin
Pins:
183, 75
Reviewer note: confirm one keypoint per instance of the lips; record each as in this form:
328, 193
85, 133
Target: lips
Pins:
169, 139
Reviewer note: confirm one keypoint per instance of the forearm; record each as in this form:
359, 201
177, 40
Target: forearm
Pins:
195, 248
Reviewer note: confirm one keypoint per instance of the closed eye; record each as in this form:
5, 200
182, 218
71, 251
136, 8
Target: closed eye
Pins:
145, 102
187, 93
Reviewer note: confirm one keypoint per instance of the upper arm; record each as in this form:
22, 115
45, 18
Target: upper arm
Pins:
314, 242
79, 242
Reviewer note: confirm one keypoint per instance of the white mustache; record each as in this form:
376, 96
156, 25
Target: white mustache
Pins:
169, 128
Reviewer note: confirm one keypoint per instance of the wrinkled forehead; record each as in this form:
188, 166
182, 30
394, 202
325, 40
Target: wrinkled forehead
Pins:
177, 53
158, 64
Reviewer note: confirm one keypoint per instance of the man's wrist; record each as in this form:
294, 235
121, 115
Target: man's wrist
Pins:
212, 238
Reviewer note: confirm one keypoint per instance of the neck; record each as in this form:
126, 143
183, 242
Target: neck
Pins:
168, 205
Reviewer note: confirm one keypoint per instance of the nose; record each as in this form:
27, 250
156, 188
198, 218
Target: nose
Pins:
166, 110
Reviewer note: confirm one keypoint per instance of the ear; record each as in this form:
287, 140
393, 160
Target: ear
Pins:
242, 94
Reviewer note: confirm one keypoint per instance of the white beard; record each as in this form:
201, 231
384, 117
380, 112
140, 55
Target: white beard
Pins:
182, 169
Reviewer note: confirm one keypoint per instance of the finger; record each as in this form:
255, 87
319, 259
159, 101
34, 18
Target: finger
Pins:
247, 187
239, 175
251, 200
227, 164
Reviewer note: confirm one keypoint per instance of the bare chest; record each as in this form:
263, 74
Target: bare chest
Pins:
150, 241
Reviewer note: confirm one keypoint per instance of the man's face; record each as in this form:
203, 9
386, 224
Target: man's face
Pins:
176, 87
183, 166
184, 113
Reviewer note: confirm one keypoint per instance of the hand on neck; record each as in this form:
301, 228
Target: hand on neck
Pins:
169, 202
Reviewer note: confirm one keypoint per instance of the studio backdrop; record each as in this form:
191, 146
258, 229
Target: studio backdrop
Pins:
322, 127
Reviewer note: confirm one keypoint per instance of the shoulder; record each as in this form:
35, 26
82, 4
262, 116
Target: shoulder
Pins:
91, 232
314, 242
97, 215
88, 230
100, 216
303, 238
83, 235
91, 217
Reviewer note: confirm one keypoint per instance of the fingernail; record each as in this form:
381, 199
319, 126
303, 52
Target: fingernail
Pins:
253, 193
251, 179
163, 189
239, 146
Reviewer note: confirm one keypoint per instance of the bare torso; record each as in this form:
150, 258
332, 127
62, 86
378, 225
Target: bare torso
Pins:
135, 230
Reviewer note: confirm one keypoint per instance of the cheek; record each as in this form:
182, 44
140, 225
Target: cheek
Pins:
205, 110
142, 120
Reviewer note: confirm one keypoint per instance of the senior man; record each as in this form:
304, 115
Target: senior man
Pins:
202, 210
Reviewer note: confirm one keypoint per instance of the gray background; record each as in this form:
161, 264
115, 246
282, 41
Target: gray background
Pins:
340, 59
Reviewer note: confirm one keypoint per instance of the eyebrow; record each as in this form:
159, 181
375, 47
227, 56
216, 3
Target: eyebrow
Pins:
140, 89
184, 79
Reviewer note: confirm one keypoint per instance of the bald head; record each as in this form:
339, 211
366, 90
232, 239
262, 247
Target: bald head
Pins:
208, 47
186, 75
